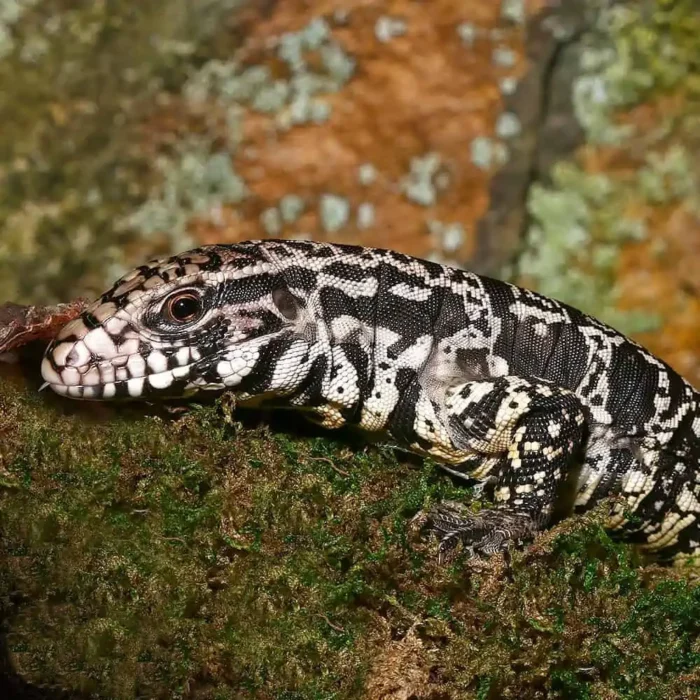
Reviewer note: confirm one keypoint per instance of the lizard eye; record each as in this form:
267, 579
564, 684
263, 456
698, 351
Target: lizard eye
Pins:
183, 307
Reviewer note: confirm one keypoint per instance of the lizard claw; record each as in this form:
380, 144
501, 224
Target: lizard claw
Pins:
480, 534
439, 518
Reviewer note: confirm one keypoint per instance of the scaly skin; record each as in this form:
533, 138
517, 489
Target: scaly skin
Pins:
496, 382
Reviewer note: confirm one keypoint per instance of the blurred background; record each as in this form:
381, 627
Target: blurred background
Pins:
552, 143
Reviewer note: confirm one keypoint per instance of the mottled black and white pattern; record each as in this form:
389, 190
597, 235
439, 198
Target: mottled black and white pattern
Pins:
496, 382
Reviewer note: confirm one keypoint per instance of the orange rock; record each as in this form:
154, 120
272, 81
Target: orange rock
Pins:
424, 90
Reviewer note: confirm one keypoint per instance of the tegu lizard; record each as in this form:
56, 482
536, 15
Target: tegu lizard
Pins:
495, 382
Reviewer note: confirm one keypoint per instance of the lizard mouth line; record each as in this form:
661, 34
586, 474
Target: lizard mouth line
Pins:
104, 381
128, 388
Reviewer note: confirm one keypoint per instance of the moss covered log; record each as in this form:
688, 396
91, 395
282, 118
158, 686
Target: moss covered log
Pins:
196, 556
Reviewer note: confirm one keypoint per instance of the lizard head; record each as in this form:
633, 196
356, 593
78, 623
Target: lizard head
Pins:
203, 320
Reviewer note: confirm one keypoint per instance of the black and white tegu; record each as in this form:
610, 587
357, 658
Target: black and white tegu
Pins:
495, 382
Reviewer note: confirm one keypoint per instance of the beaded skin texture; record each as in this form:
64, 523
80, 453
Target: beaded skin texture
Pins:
497, 383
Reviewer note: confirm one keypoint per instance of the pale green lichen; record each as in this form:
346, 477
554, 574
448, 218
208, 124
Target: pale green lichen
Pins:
595, 99
513, 11
11, 12
365, 215
503, 57
304, 110
573, 244
669, 176
508, 85
73, 136
501, 153
579, 223
467, 33
507, 125
388, 28
6, 41
334, 212
482, 152
339, 64
315, 34
295, 98
271, 221
448, 237
33, 49
291, 98
631, 53
196, 183
422, 183
291, 208
271, 97
366, 174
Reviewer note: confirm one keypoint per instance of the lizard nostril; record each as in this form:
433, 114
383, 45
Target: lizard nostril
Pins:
72, 358
78, 356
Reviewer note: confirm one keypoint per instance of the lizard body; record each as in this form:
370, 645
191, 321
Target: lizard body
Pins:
495, 382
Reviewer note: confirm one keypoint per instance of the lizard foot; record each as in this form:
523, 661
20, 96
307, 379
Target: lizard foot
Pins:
483, 533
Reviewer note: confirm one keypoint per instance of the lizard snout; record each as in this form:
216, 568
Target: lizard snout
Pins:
86, 361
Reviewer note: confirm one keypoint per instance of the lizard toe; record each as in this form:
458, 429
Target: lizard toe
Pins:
479, 534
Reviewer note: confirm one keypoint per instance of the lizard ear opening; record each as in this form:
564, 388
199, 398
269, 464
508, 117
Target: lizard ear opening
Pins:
287, 304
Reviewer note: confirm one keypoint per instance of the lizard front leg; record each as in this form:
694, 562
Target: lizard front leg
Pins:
525, 435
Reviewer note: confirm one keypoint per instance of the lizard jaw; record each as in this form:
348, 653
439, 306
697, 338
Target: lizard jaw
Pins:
90, 363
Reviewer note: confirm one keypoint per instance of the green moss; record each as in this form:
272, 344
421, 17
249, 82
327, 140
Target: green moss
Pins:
160, 557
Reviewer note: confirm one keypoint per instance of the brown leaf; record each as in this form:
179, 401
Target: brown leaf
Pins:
20, 324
